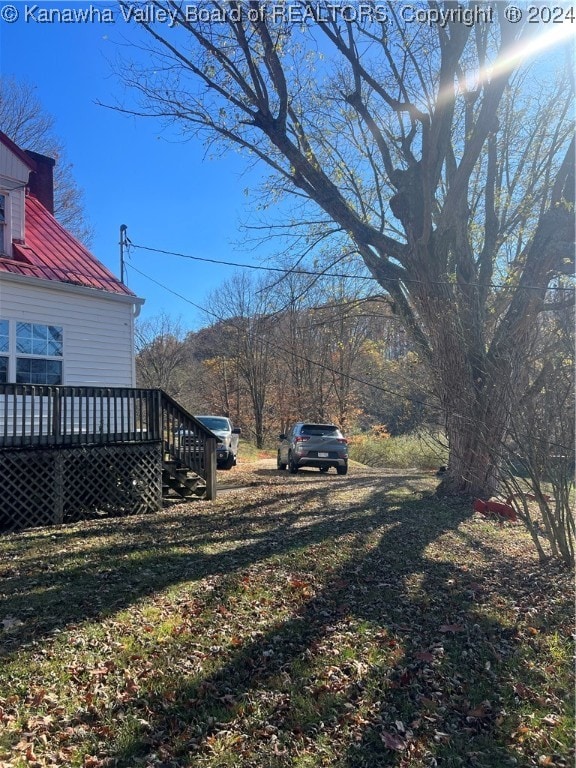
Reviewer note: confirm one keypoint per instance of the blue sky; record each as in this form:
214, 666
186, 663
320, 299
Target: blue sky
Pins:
132, 171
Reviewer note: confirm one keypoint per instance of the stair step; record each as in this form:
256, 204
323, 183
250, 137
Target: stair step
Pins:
179, 481
175, 466
168, 492
191, 482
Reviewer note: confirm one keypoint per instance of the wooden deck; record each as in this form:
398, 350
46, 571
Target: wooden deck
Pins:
68, 452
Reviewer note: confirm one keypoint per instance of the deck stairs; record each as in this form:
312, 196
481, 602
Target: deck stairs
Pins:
179, 481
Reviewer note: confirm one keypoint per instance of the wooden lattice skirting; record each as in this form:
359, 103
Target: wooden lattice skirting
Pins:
46, 486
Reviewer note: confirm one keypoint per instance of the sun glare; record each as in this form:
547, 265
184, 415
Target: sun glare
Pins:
525, 48
534, 45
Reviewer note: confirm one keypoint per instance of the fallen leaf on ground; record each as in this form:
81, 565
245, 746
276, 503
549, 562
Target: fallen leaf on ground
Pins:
451, 628
393, 741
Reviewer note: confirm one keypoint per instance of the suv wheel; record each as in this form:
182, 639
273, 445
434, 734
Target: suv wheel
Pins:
342, 470
279, 463
293, 468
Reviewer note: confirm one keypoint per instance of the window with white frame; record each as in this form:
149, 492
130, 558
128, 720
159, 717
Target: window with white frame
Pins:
39, 351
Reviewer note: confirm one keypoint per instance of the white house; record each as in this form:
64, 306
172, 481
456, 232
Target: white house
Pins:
77, 437
64, 317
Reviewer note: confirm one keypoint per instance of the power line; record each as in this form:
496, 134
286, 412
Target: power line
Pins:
281, 270
291, 352
312, 273
323, 366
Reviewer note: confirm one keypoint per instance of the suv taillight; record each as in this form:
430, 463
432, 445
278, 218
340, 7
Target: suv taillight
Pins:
342, 440
301, 439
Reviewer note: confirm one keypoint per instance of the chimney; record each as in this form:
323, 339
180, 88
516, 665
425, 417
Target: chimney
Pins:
41, 183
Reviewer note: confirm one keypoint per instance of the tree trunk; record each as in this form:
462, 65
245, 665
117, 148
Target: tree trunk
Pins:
471, 464
473, 387
478, 409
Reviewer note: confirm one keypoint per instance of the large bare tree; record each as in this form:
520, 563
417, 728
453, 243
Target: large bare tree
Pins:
439, 147
27, 123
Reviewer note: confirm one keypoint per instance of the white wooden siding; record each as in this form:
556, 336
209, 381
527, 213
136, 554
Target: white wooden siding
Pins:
98, 328
13, 176
17, 214
11, 167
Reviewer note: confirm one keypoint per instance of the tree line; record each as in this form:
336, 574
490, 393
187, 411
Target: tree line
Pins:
275, 353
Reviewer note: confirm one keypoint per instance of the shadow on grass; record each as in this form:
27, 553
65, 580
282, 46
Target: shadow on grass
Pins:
53, 577
278, 697
273, 700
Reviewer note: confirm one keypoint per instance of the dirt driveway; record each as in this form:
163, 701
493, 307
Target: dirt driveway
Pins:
264, 473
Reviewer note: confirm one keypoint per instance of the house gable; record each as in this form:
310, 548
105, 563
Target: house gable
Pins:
38, 244
15, 169
64, 317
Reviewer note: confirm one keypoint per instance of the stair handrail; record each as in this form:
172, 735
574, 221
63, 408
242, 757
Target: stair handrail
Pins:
186, 440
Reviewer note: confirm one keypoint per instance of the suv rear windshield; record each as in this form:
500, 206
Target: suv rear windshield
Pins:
320, 430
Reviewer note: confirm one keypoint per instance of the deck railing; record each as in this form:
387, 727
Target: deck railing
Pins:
68, 452
36, 415
188, 441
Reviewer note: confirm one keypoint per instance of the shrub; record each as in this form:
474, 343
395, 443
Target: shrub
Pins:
423, 451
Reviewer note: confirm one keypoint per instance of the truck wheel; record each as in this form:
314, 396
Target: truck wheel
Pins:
230, 461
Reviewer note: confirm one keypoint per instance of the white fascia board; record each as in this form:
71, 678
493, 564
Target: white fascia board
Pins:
55, 285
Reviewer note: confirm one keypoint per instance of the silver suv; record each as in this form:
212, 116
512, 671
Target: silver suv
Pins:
313, 445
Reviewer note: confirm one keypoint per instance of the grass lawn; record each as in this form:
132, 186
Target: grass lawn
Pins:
311, 621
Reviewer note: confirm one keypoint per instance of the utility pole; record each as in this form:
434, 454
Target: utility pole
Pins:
123, 244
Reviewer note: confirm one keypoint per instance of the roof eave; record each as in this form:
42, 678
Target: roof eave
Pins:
57, 285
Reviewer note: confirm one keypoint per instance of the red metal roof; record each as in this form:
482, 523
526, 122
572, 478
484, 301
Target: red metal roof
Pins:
51, 253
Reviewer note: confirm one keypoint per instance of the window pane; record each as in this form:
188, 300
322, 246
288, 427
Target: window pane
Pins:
24, 338
37, 339
23, 371
54, 341
4, 339
3, 370
32, 371
39, 347
53, 371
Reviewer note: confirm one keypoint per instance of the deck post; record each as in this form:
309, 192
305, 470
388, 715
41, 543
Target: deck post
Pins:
158, 416
56, 414
210, 468
58, 516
